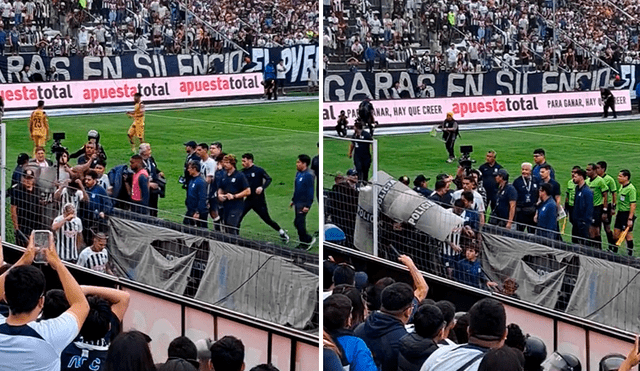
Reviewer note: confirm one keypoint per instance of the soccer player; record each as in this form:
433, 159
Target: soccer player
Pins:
259, 180
626, 210
39, 126
302, 200
137, 127
95, 257
68, 230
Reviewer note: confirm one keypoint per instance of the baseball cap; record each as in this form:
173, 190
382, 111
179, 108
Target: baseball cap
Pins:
28, 174
421, 178
503, 173
191, 143
351, 172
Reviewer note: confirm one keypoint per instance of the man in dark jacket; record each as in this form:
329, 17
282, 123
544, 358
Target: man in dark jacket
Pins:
383, 329
416, 347
196, 201
582, 214
608, 101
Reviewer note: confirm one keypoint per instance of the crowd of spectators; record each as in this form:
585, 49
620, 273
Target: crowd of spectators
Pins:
104, 27
393, 326
477, 35
80, 327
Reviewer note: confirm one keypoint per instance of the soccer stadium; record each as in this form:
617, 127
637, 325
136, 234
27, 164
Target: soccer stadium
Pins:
160, 163
467, 148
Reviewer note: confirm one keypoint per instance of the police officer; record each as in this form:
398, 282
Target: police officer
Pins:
360, 151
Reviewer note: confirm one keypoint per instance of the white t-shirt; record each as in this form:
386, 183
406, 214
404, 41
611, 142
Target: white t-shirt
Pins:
94, 260
478, 204
208, 168
67, 238
448, 357
36, 346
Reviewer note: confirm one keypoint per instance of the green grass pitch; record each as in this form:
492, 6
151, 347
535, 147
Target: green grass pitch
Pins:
275, 133
615, 142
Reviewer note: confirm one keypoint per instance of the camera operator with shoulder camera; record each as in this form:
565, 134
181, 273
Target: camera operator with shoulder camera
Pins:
341, 126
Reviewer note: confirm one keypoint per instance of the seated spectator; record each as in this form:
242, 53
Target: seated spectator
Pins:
416, 347
357, 305
383, 329
227, 354
502, 359
184, 349
106, 310
337, 320
130, 351
487, 330
25, 343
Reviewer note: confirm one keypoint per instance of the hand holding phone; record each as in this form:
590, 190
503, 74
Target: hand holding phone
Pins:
41, 241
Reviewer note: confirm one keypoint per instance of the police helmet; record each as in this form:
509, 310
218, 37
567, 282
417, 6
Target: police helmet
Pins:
93, 134
611, 362
535, 352
562, 362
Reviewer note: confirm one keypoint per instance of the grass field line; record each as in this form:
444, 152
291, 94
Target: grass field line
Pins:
229, 123
573, 137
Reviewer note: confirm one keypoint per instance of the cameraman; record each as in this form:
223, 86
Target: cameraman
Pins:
94, 137
341, 126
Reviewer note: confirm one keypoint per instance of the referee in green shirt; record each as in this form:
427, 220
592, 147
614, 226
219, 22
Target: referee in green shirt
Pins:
601, 170
600, 202
626, 209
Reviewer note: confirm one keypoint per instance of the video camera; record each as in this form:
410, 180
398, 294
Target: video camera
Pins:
57, 146
465, 160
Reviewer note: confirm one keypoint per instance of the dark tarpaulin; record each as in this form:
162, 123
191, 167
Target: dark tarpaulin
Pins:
259, 284
602, 291
234, 277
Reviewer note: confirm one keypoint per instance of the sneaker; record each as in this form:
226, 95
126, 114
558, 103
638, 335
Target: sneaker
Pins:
310, 245
450, 160
285, 237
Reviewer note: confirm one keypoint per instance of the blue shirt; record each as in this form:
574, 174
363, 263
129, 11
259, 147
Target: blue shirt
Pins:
99, 201
234, 183
470, 273
503, 199
196, 196
535, 173
547, 219
303, 189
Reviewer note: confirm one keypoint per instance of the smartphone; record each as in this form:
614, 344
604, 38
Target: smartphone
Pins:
41, 242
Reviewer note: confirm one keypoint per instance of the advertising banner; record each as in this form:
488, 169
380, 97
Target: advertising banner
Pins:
297, 62
481, 108
83, 93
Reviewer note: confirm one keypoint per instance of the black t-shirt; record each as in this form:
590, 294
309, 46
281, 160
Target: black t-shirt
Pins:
489, 178
234, 183
361, 150
28, 206
257, 177
555, 188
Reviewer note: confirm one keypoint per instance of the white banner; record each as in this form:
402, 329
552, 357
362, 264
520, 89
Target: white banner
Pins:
495, 107
83, 93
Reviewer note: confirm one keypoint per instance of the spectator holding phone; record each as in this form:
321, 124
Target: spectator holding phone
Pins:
25, 343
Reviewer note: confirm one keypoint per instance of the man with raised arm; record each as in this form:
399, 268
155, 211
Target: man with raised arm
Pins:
24, 343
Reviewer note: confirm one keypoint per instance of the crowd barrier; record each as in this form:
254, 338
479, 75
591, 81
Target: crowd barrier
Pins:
164, 316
